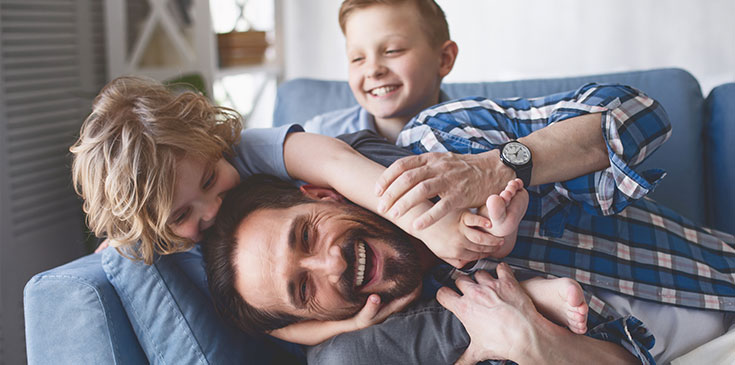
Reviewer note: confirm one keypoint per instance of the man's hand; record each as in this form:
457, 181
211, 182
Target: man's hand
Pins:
498, 315
462, 181
454, 240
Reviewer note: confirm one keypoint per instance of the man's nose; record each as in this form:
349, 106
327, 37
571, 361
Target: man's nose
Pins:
329, 263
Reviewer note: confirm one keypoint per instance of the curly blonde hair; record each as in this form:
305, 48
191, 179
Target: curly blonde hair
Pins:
124, 164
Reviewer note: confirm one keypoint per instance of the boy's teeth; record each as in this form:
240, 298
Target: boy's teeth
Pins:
360, 264
380, 91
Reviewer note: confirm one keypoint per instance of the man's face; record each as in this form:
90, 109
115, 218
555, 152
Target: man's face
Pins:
322, 260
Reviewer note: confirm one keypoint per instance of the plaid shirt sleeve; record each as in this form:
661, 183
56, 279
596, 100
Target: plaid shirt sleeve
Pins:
633, 126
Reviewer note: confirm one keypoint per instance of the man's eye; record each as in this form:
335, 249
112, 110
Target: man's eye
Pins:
305, 238
302, 291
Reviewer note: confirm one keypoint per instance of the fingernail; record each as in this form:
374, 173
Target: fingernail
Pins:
375, 299
394, 213
418, 225
378, 190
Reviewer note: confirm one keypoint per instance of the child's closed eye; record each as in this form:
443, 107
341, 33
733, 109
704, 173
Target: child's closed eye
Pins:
211, 179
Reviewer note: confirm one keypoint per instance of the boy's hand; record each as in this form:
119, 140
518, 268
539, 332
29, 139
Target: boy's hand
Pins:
103, 245
456, 240
462, 181
373, 313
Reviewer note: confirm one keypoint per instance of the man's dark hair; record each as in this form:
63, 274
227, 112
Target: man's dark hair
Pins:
254, 193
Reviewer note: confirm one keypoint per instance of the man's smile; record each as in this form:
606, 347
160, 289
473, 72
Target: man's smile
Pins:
367, 266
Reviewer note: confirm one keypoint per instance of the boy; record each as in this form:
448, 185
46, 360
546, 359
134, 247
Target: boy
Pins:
397, 61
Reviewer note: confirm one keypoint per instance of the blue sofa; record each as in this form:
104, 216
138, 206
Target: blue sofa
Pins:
100, 309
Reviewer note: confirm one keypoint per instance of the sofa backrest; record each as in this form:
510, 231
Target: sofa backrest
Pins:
719, 145
678, 91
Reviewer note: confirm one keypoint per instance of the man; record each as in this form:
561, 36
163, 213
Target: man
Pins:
279, 255
605, 320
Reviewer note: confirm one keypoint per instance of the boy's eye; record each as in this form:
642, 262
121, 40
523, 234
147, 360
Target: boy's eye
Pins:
181, 217
393, 51
357, 59
210, 180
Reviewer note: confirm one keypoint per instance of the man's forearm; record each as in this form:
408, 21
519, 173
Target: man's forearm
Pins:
567, 149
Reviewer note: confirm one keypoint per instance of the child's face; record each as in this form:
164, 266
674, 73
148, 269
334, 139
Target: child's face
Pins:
394, 72
198, 193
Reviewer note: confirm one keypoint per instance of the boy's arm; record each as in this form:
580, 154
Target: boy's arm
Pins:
314, 332
327, 161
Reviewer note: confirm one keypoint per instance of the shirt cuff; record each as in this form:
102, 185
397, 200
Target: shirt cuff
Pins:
630, 333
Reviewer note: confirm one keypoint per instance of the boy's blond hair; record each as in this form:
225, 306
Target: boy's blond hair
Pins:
125, 160
433, 21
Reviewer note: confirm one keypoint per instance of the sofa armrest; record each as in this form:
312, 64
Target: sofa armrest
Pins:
74, 316
719, 142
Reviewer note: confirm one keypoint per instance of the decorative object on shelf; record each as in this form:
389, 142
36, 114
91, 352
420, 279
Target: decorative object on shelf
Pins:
242, 48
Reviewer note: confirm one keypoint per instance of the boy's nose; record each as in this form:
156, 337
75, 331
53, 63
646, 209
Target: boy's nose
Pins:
376, 70
329, 263
211, 208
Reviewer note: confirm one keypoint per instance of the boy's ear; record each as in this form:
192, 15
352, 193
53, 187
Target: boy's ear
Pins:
448, 55
320, 193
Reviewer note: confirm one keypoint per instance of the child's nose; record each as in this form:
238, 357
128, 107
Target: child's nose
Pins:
376, 69
211, 209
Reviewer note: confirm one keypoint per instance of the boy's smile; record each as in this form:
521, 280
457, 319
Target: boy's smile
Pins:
394, 71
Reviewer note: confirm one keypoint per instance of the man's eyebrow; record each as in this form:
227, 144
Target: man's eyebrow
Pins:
292, 288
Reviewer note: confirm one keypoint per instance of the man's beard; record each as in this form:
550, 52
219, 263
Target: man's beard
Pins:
403, 270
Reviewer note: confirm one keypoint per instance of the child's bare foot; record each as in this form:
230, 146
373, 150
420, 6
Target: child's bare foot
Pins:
560, 300
506, 209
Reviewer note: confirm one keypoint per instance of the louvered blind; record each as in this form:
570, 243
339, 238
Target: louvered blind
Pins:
52, 63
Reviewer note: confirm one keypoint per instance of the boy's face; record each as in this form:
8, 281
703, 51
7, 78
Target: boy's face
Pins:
198, 192
394, 72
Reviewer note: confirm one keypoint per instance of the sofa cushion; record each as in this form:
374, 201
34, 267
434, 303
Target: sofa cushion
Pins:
172, 314
719, 143
74, 316
677, 90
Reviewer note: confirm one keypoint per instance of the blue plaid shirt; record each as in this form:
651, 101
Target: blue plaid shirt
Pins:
598, 229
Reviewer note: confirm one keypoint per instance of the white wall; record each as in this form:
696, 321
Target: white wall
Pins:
518, 39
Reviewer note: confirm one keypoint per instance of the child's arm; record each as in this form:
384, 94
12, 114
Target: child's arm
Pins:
314, 332
327, 161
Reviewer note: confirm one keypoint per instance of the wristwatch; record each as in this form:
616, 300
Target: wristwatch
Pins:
518, 157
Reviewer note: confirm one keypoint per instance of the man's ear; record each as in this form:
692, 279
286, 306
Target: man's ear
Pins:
448, 55
320, 193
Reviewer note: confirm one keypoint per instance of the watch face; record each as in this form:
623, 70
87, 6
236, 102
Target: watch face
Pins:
516, 153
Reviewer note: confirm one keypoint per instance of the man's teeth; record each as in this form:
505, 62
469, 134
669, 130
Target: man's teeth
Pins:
360, 264
380, 91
